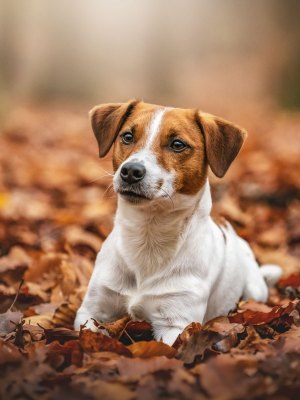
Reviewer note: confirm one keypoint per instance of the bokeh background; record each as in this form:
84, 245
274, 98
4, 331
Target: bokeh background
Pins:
209, 53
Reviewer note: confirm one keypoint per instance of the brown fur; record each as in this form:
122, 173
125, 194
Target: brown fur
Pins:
223, 141
137, 122
107, 120
190, 165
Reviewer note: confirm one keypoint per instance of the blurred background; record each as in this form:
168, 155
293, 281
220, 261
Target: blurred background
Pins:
213, 54
58, 58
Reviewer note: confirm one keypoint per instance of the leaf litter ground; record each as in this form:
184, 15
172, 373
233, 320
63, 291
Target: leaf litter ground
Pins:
56, 208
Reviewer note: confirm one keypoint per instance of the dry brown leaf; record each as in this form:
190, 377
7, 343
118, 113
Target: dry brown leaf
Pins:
64, 315
115, 328
61, 356
96, 341
8, 321
44, 321
135, 368
189, 331
151, 349
61, 335
9, 354
254, 306
17, 258
250, 317
292, 280
99, 389
227, 377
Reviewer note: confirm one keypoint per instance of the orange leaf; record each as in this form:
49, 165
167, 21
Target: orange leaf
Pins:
291, 280
151, 349
63, 355
114, 328
249, 317
96, 341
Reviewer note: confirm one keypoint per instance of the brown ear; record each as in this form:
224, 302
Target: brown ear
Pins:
107, 120
223, 141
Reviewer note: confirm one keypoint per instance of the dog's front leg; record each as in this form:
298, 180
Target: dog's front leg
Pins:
103, 301
174, 313
101, 304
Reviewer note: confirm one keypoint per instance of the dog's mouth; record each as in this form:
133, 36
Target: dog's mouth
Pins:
133, 197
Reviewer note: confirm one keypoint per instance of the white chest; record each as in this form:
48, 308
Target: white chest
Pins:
149, 247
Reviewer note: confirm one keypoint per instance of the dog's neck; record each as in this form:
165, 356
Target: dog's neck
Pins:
152, 234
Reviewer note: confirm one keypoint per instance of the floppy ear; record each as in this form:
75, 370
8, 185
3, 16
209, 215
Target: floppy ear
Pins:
107, 120
223, 141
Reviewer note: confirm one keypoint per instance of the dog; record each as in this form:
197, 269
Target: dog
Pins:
166, 261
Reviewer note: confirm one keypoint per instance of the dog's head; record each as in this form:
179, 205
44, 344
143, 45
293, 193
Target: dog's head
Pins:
160, 151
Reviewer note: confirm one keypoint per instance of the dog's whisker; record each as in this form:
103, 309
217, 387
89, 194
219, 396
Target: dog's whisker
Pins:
169, 197
112, 196
110, 186
100, 177
167, 194
108, 173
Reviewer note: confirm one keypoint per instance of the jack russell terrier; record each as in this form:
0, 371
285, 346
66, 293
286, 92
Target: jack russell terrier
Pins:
166, 261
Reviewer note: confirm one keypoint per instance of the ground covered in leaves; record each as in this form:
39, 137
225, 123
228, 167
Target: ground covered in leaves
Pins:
56, 208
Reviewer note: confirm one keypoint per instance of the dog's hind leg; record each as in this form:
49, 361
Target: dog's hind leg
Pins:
271, 273
255, 284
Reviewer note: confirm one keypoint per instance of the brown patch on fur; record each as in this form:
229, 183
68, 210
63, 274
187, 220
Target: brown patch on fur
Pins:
223, 141
190, 165
137, 123
107, 120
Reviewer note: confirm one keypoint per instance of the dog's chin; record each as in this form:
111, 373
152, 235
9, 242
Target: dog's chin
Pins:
134, 197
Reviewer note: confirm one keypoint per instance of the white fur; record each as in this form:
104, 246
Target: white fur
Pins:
271, 273
154, 126
166, 261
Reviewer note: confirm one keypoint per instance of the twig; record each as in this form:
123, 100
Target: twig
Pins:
17, 295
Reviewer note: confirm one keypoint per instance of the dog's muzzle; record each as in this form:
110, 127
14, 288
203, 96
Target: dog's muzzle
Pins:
132, 186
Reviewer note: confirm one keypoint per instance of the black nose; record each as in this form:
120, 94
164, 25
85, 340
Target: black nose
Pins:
133, 172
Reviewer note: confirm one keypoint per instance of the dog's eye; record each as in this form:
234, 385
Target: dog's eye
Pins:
127, 137
177, 145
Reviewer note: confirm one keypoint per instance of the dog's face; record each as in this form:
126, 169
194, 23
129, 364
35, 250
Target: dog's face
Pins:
160, 151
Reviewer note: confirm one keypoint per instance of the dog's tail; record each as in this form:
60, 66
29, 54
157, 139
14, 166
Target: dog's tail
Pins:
271, 274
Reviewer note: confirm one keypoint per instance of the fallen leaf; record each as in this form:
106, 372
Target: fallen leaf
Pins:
8, 321
44, 321
151, 349
61, 335
250, 317
9, 354
96, 341
135, 368
116, 328
189, 331
196, 346
292, 280
61, 356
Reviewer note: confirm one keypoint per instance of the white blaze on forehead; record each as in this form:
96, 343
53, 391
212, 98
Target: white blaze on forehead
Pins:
155, 171
154, 126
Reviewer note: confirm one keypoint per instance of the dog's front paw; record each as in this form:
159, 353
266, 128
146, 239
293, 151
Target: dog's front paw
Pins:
167, 334
85, 320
